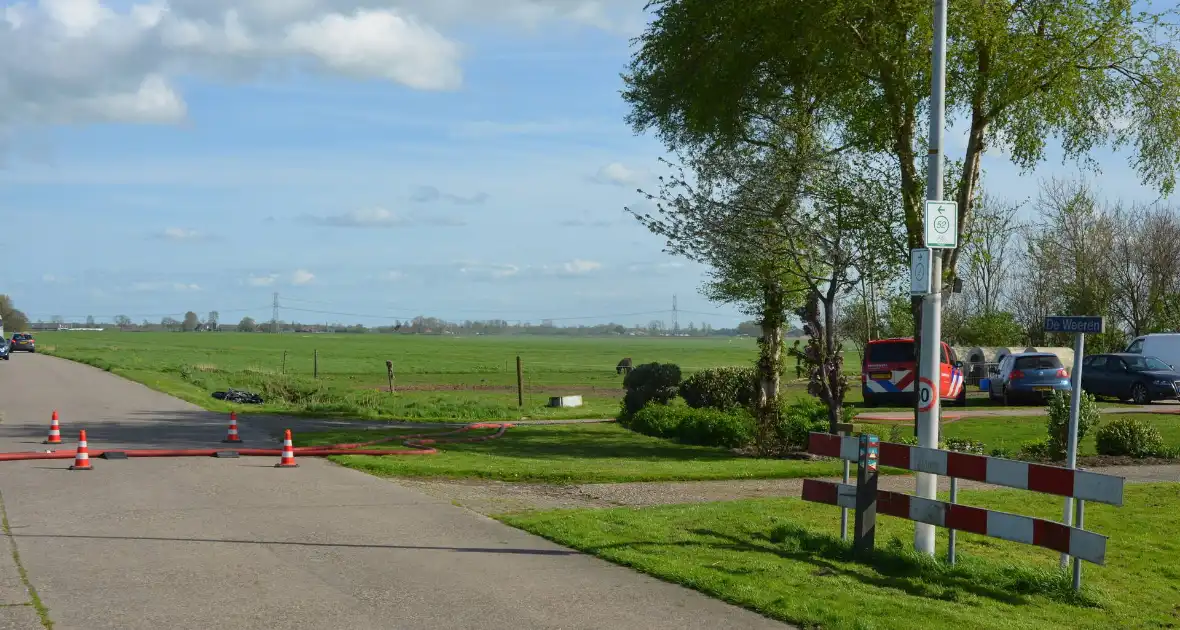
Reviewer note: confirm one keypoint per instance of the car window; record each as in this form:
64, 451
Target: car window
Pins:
1115, 364
1038, 363
1142, 364
1136, 348
1098, 363
892, 352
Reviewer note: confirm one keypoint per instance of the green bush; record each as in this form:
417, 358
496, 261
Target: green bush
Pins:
1129, 436
902, 434
1001, 452
799, 418
1036, 449
961, 445
723, 388
701, 427
1058, 421
650, 382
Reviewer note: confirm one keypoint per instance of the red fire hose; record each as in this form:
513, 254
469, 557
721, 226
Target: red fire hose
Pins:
417, 443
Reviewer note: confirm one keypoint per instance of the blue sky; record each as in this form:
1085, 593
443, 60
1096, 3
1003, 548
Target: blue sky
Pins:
453, 158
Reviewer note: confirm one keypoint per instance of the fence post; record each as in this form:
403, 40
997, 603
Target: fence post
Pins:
315, 364
1077, 562
865, 527
950, 550
519, 383
284, 361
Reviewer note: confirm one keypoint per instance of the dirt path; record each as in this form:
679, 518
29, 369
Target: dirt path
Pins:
493, 497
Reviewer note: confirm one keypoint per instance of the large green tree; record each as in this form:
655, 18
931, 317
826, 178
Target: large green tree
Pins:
1086, 72
14, 319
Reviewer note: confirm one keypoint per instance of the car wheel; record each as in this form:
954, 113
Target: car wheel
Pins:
1139, 394
961, 399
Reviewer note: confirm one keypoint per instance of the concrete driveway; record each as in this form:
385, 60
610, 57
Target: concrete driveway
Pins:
206, 543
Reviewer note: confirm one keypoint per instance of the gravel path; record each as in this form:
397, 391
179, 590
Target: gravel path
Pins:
493, 497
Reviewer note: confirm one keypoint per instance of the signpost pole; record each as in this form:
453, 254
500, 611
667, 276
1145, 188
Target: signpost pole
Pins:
928, 361
1075, 409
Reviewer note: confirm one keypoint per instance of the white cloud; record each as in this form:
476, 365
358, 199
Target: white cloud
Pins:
262, 281
153, 287
393, 276
380, 218
486, 271
302, 276
617, 174
578, 267
180, 234
83, 61
426, 194
483, 271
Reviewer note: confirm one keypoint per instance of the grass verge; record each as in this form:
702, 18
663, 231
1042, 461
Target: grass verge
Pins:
783, 558
577, 453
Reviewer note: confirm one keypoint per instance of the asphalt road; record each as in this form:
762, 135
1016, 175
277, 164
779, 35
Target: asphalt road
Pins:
234, 543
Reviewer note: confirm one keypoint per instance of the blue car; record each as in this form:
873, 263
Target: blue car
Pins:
1028, 376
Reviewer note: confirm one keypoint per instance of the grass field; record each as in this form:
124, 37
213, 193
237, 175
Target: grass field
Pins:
436, 377
578, 453
783, 558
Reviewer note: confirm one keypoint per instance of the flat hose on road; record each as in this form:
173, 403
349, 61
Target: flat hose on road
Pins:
418, 445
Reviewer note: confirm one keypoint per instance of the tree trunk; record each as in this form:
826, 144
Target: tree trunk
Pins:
769, 362
833, 363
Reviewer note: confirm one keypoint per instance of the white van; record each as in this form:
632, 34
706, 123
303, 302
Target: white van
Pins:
1164, 346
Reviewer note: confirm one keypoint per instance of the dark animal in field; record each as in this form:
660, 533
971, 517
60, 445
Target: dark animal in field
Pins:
624, 366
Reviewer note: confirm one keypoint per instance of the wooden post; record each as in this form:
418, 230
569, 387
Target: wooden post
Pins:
315, 364
865, 528
519, 383
284, 361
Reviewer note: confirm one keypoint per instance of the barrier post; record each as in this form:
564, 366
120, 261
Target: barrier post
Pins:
950, 550
865, 527
844, 430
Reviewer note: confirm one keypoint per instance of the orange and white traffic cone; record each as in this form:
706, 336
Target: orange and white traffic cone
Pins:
287, 460
54, 431
233, 429
82, 456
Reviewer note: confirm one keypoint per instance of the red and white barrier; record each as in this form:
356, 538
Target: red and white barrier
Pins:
1080, 484
1078, 543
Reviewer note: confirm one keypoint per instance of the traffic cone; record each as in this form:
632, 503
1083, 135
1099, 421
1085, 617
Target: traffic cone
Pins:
54, 431
287, 460
82, 456
233, 429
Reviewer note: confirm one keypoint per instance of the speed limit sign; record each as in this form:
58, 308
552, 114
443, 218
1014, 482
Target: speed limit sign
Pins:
926, 394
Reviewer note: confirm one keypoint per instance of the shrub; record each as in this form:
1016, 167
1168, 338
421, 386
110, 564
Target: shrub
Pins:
1001, 452
720, 388
650, 382
1129, 436
1058, 422
798, 418
1036, 449
902, 434
701, 427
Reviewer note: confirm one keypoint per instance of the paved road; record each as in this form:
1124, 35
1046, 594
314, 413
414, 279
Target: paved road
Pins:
234, 543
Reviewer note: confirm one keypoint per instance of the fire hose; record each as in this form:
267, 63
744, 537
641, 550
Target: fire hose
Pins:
418, 444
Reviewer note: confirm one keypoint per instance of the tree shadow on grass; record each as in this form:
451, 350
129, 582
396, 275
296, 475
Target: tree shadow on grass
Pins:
892, 567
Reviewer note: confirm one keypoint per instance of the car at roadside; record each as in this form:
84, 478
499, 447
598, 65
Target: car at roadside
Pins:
5, 349
1125, 376
23, 342
1028, 376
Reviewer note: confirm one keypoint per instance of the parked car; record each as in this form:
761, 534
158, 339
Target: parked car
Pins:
1136, 377
23, 341
889, 370
5, 349
1163, 346
1026, 376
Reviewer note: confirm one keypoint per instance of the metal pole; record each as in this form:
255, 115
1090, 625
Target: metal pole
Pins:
1075, 410
950, 549
843, 510
929, 363
1077, 562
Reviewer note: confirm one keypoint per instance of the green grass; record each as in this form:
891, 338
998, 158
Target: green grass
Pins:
1012, 431
437, 377
783, 558
579, 453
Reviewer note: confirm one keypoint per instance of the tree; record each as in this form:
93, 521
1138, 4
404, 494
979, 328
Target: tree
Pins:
14, 319
1088, 73
170, 324
247, 325
191, 321
1144, 259
213, 319
987, 252
122, 321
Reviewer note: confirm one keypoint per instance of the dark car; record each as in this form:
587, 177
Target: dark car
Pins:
1028, 376
23, 342
1136, 377
5, 349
